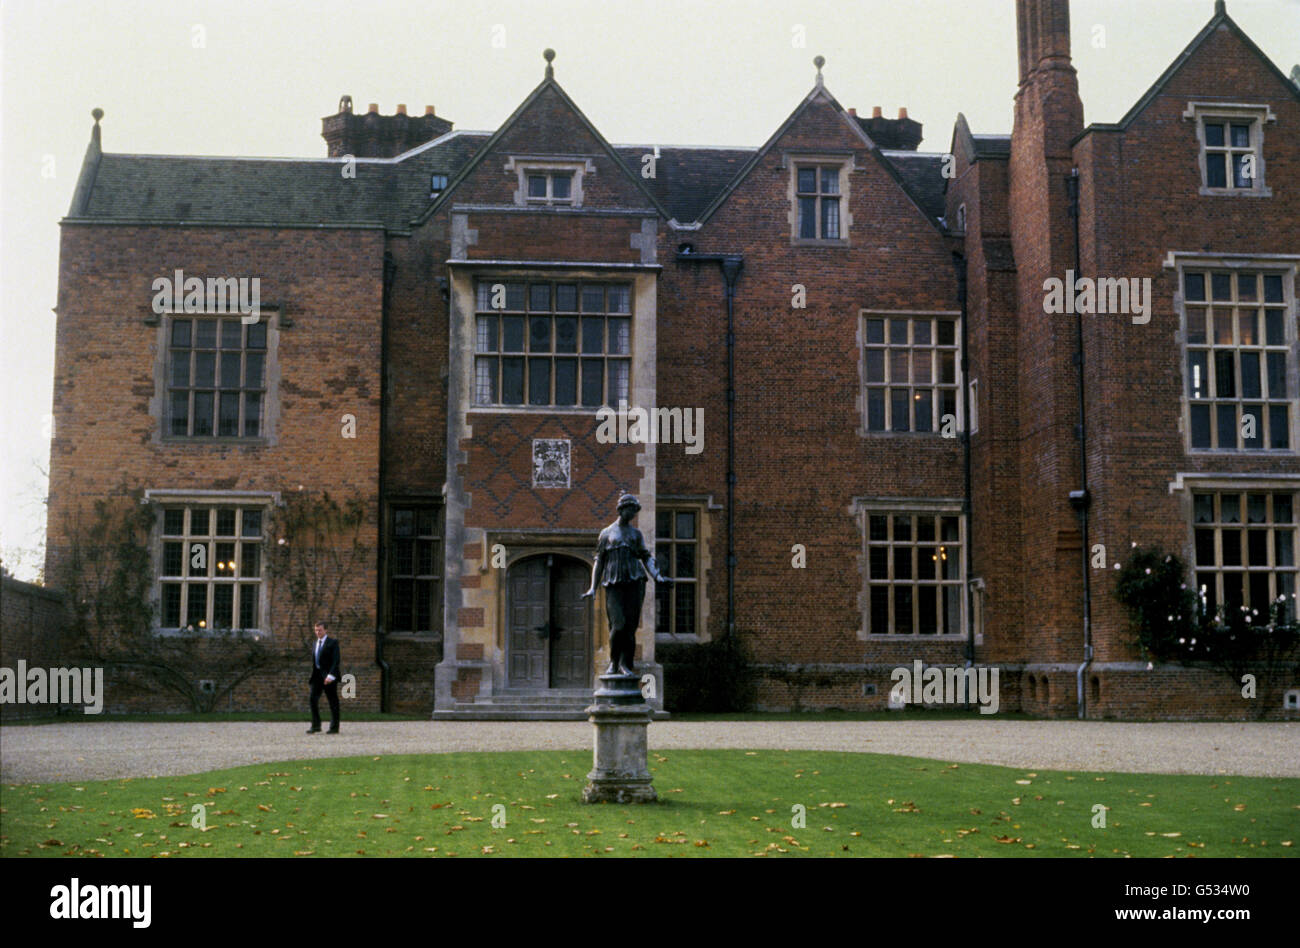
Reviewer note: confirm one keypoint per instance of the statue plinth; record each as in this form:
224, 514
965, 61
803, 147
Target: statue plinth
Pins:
620, 716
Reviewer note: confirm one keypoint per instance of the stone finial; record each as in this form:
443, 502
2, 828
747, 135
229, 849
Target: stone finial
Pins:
549, 56
1220, 7
97, 114
819, 61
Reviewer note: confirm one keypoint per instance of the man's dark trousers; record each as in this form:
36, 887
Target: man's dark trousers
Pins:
326, 663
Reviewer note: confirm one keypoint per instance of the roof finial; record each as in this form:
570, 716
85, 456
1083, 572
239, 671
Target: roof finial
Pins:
96, 114
1220, 8
549, 56
819, 61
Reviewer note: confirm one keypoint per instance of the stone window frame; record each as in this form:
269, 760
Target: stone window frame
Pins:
846, 163
1186, 485
1258, 115
701, 506
161, 500
437, 540
1285, 265
864, 385
527, 281
862, 509
160, 403
523, 165
672, 542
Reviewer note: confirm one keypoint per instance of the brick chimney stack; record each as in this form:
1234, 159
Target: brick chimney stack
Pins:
1048, 114
379, 136
900, 134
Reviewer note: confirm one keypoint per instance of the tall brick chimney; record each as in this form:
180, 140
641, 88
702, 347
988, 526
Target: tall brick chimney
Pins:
378, 136
1048, 115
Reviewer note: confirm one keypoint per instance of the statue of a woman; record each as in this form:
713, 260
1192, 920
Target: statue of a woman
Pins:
622, 563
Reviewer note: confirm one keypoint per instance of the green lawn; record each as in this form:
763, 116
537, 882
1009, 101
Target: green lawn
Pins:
713, 803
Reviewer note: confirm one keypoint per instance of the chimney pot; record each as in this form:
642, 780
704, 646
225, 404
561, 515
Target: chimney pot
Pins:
902, 112
401, 109
374, 107
428, 110
853, 112
876, 112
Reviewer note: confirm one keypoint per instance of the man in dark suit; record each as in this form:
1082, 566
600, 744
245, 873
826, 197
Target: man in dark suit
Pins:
324, 677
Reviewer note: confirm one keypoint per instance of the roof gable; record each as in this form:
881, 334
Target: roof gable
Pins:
547, 113
855, 137
1219, 21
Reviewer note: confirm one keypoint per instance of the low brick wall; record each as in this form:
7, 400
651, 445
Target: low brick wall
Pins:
1118, 691
284, 689
33, 625
411, 663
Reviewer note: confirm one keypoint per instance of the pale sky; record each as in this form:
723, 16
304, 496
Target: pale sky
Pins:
674, 72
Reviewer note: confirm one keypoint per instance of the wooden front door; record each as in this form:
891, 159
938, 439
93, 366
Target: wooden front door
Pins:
547, 639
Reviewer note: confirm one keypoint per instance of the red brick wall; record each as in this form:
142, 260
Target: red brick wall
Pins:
1141, 202
329, 283
799, 459
33, 626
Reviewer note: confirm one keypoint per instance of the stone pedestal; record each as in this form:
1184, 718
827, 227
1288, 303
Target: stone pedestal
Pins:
620, 716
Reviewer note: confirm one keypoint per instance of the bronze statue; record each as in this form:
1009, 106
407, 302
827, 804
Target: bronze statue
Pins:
622, 562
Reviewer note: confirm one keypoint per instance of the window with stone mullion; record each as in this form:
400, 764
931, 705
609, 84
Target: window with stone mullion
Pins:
1244, 551
560, 344
1237, 361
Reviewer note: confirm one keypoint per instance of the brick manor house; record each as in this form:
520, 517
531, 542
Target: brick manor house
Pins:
902, 456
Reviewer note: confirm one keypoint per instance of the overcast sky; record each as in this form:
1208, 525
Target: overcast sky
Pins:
254, 77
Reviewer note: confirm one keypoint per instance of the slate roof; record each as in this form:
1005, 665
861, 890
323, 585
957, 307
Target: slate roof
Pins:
992, 146
393, 192
687, 179
173, 188
922, 172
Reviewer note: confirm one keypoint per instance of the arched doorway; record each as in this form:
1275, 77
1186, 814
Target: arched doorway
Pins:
548, 632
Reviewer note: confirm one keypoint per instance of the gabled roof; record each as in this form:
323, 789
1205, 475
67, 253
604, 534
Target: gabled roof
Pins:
1219, 19
547, 83
268, 191
975, 147
818, 93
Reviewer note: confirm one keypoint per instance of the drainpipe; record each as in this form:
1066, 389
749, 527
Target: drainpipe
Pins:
731, 264
1080, 499
959, 261
381, 634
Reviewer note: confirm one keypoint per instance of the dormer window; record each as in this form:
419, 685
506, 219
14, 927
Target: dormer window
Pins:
819, 202
545, 181
819, 198
1231, 139
553, 188
437, 184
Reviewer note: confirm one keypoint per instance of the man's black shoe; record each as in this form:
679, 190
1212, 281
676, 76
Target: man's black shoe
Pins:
313, 730
332, 730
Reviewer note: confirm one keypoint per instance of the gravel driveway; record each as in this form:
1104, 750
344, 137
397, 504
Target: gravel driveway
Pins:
94, 751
